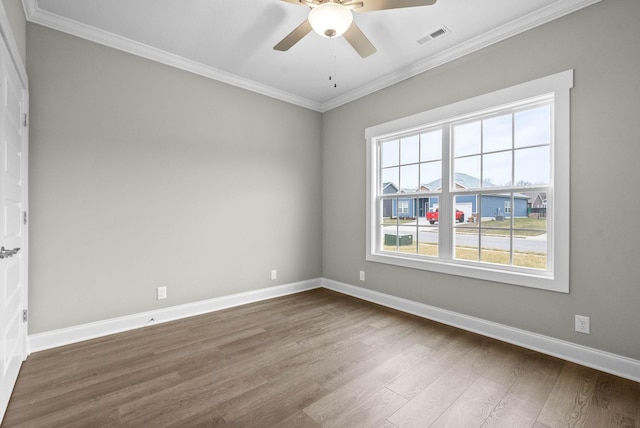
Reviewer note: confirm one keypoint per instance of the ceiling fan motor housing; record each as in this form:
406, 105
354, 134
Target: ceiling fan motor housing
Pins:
330, 19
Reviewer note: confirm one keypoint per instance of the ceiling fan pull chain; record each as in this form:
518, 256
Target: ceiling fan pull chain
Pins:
333, 68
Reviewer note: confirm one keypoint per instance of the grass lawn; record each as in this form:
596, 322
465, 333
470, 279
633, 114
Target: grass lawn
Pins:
393, 221
521, 227
500, 257
528, 260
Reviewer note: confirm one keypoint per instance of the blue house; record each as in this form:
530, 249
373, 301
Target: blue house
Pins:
500, 206
492, 206
402, 207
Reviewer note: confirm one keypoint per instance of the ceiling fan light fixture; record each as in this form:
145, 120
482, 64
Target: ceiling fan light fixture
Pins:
330, 19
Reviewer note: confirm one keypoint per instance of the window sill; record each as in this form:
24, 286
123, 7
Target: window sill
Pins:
471, 270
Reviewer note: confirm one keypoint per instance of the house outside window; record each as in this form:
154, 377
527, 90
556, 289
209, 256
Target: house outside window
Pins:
471, 168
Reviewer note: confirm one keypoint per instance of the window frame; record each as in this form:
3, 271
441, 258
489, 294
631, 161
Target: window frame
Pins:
557, 279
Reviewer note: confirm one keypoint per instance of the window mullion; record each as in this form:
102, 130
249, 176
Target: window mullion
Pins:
445, 235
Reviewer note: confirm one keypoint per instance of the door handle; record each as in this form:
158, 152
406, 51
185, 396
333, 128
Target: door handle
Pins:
4, 253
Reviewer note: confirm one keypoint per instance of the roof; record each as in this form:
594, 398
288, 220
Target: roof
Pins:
534, 195
389, 187
465, 181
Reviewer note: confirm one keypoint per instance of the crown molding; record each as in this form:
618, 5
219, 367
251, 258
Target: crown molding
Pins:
549, 13
78, 29
515, 27
12, 47
30, 7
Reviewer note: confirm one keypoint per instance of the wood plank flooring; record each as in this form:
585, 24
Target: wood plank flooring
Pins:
314, 359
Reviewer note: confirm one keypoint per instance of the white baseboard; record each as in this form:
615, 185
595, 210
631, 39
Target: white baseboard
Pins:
594, 358
53, 339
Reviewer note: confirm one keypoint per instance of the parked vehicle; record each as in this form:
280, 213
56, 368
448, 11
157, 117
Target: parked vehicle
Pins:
432, 216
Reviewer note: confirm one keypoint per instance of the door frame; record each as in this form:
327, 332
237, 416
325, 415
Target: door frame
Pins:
9, 41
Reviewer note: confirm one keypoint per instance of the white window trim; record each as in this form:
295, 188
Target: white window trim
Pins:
559, 85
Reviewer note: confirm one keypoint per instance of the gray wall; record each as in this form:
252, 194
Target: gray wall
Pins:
605, 150
142, 175
17, 21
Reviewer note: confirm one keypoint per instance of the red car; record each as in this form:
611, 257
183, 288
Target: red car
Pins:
432, 216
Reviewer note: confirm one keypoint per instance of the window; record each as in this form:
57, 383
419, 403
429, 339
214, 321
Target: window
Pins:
403, 207
450, 190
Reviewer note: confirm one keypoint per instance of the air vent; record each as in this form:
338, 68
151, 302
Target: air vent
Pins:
433, 35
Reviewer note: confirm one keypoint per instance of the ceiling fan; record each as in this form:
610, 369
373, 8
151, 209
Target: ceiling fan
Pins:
333, 18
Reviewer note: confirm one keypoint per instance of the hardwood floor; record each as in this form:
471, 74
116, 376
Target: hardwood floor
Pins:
314, 359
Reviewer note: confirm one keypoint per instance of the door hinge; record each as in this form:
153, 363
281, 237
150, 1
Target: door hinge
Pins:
24, 217
25, 315
26, 120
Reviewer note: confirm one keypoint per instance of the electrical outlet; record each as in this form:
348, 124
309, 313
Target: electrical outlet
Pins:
161, 293
583, 324
274, 274
361, 275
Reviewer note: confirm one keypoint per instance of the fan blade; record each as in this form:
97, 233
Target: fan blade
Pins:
303, 2
294, 37
371, 5
359, 41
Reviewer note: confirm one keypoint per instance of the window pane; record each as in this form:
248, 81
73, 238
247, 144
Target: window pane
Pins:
466, 227
495, 226
407, 239
390, 180
466, 244
431, 214
496, 169
387, 210
466, 139
532, 166
399, 230
467, 172
431, 146
464, 206
496, 134
533, 127
409, 178
496, 247
433, 203
493, 210
389, 221
389, 227
427, 239
530, 251
389, 236
430, 174
530, 247
390, 154
409, 150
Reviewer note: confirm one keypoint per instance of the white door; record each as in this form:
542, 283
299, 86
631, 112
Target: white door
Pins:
466, 208
13, 292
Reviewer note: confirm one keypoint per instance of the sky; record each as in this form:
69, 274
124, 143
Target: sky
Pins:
504, 149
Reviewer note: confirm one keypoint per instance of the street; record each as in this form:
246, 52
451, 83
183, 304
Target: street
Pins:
535, 244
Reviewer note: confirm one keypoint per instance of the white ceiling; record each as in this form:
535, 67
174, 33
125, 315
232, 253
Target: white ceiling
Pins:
232, 40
